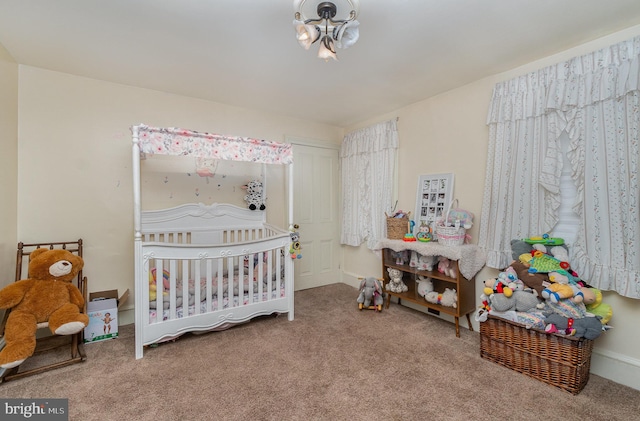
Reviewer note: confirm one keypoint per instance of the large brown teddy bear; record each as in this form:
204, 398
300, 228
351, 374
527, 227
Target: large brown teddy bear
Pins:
47, 296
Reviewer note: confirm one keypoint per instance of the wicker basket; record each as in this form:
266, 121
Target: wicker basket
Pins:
397, 227
450, 236
561, 361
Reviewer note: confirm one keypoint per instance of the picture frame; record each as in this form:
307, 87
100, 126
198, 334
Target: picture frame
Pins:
433, 197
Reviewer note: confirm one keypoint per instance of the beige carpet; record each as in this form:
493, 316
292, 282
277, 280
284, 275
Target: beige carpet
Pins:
332, 362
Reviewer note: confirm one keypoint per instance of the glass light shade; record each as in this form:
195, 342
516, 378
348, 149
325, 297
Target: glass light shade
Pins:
346, 34
326, 49
306, 34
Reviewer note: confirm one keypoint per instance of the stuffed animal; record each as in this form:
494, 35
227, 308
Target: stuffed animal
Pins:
421, 262
395, 281
48, 295
371, 294
400, 257
563, 286
448, 298
424, 285
536, 281
254, 196
447, 267
586, 327
520, 301
294, 249
597, 307
497, 286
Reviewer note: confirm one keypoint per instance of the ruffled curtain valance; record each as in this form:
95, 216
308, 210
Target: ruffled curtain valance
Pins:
608, 73
174, 141
370, 140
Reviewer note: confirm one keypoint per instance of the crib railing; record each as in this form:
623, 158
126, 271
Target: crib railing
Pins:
189, 279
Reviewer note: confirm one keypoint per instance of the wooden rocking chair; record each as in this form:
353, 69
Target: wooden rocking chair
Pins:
49, 353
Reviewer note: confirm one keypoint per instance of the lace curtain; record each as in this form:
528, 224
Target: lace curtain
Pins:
595, 99
367, 159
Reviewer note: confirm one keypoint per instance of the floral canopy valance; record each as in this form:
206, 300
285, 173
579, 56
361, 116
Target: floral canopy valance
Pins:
174, 141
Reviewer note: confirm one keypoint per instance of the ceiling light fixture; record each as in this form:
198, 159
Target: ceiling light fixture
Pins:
342, 32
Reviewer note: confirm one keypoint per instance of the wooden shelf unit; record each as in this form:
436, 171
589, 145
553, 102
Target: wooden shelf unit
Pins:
465, 289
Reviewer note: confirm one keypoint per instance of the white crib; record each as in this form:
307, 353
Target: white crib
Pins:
209, 266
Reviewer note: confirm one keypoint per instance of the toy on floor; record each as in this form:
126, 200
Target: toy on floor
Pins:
48, 295
395, 281
371, 295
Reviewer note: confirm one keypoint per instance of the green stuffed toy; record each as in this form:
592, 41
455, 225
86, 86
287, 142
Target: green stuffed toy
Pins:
597, 307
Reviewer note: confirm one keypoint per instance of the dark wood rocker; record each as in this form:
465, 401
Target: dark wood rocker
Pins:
49, 353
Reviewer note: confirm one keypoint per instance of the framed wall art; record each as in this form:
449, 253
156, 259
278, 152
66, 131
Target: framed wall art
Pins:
434, 195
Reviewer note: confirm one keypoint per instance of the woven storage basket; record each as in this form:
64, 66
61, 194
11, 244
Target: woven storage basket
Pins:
397, 227
450, 236
560, 361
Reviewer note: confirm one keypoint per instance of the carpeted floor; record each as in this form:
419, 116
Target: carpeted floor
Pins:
332, 362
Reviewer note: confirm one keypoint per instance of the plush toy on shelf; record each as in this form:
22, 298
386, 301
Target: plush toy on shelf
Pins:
448, 298
424, 285
396, 284
447, 267
422, 262
48, 295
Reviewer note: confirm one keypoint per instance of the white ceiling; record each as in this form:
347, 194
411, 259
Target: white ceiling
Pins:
244, 52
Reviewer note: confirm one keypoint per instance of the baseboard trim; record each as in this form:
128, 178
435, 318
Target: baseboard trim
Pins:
616, 367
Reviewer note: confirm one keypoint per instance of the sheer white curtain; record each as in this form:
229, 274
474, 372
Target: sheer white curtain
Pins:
594, 98
367, 159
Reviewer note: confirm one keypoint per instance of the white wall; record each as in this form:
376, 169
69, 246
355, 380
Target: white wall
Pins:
8, 165
448, 133
74, 170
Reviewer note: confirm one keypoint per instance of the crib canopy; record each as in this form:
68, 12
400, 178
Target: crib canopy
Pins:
174, 141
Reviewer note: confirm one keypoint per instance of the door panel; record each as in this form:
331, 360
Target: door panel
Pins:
316, 213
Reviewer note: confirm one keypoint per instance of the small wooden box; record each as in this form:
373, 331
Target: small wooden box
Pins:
561, 361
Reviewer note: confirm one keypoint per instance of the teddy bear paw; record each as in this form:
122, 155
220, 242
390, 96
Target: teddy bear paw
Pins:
70, 328
12, 364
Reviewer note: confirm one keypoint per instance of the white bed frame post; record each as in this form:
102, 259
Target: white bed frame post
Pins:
289, 267
137, 239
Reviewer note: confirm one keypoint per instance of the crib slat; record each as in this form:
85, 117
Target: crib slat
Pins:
172, 289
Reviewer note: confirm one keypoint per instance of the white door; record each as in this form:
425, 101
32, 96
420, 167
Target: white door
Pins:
316, 212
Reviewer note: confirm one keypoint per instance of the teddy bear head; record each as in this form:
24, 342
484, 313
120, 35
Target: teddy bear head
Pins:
58, 265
